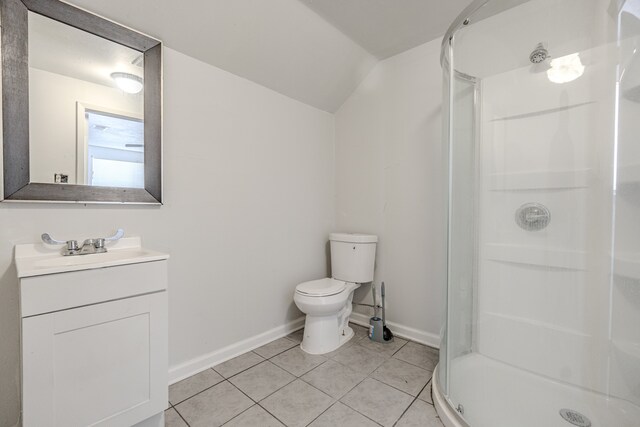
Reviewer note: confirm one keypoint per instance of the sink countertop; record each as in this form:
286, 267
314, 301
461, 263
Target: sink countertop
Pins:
37, 259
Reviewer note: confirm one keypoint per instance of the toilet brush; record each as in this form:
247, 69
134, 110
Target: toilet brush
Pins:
387, 335
376, 327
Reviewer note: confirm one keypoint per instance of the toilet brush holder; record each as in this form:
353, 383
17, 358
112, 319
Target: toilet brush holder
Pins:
376, 329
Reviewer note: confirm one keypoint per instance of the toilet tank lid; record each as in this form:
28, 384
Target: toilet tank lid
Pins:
353, 238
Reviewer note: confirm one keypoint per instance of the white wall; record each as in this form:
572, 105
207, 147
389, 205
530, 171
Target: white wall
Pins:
248, 177
390, 182
53, 124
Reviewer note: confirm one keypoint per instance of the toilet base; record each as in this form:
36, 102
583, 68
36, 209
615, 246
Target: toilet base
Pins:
320, 340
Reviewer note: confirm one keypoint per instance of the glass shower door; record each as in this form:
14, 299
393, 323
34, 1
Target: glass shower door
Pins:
543, 283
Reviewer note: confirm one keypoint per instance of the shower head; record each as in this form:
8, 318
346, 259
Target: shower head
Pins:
539, 54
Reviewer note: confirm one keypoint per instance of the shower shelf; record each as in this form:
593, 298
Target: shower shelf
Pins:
629, 174
627, 265
540, 180
536, 256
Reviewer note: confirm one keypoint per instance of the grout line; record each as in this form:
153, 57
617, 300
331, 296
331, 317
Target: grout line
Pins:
413, 364
412, 402
429, 384
271, 357
201, 391
179, 414
254, 366
267, 411
358, 412
397, 389
347, 392
305, 372
246, 369
227, 422
406, 409
275, 391
240, 390
321, 413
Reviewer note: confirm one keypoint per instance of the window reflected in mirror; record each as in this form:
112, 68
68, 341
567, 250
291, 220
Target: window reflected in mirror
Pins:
114, 150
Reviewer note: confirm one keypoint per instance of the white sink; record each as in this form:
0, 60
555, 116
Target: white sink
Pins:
40, 259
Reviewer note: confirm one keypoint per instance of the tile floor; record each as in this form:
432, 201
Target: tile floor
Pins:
361, 384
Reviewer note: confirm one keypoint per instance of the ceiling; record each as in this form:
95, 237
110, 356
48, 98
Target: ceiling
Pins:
387, 27
314, 51
65, 50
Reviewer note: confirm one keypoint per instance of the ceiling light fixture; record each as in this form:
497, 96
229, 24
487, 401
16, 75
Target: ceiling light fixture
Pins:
129, 83
565, 69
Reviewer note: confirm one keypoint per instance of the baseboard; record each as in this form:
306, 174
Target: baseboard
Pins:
422, 337
199, 364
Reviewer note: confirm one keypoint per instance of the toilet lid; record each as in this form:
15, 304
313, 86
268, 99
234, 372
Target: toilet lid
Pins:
321, 288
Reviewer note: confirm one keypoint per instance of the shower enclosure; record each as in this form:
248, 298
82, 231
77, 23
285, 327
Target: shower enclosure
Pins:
542, 107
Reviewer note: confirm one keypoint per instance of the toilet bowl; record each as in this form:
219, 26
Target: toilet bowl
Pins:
327, 302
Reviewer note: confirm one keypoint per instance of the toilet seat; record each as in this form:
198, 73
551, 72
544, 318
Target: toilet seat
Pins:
321, 288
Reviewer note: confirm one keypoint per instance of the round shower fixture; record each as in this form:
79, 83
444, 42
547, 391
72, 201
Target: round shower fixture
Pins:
533, 216
539, 54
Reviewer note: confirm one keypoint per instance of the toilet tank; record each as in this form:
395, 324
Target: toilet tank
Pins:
353, 256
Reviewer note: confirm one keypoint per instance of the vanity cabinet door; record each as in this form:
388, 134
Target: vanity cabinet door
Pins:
103, 364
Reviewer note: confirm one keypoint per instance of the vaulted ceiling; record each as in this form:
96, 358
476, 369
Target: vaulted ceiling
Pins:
315, 51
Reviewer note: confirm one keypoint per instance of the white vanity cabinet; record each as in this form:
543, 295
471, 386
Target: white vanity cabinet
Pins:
94, 338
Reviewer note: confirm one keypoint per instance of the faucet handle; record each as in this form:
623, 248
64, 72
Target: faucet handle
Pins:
99, 243
119, 234
46, 237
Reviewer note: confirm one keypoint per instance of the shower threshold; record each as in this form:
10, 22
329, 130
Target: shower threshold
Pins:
495, 394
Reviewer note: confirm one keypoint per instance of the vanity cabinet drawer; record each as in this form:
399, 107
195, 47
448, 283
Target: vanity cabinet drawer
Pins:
61, 291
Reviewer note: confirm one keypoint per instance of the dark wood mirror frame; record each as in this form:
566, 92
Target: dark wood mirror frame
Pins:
15, 106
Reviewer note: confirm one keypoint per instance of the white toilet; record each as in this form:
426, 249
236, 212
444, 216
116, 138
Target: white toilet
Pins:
327, 302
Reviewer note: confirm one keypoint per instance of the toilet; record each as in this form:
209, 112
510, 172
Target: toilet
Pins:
327, 302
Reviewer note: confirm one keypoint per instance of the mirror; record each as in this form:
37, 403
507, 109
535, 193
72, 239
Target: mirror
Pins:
81, 107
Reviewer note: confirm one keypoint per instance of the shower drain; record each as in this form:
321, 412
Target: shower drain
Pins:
575, 418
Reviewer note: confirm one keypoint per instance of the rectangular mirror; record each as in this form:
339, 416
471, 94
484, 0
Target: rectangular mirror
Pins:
81, 107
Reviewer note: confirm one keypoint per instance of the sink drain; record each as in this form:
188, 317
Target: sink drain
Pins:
575, 418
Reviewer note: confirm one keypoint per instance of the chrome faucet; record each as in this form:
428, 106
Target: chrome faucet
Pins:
89, 246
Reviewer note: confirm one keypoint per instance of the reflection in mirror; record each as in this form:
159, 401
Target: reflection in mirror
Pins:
110, 148
86, 118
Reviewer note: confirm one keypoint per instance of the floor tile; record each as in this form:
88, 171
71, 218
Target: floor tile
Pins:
359, 359
402, 375
420, 414
426, 394
340, 415
353, 341
261, 380
359, 331
419, 355
378, 401
296, 336
333, 378
238, 364
298, 362
297, 404
215, 406
386, 349
172, 419
188, 387
275, 347
255, 416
